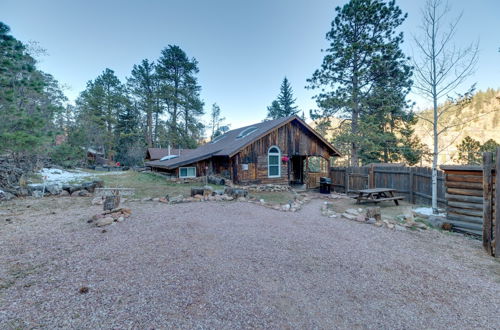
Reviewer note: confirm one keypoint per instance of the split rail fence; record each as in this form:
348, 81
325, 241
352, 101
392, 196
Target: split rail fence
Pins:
412, 182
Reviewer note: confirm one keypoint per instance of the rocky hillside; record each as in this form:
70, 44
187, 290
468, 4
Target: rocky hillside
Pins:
481, 120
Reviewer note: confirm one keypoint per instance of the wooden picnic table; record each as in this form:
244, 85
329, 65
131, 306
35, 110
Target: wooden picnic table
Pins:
377, 195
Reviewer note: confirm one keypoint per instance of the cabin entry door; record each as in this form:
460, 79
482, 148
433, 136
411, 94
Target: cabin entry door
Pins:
297, 163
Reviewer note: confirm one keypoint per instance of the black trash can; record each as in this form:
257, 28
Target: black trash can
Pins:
325, 184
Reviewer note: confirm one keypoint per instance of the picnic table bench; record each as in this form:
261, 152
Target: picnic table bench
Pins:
377, 195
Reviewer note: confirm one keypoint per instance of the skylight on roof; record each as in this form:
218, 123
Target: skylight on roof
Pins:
218, 138
246, 132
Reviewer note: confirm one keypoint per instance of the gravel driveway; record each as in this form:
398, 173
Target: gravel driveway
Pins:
237, 265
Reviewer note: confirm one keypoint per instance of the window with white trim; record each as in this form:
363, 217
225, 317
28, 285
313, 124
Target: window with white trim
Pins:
273, 162
187, 172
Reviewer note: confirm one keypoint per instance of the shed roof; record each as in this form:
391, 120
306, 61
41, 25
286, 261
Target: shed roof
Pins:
233, 141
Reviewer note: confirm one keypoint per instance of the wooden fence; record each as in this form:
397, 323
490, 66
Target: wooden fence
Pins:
412, 182
491, 203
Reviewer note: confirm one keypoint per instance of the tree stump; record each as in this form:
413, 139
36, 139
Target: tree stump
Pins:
111, 202
374, 212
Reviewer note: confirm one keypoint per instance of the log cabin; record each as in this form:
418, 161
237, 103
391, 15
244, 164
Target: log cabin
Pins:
280, 151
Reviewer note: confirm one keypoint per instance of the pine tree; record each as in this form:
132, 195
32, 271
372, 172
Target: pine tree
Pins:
143, 88
469, 151
180, 93
129, 137
98, 107
489, 146
363, 61
30, 100
284, 105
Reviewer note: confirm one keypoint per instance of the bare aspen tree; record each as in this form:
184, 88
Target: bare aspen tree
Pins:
440, 68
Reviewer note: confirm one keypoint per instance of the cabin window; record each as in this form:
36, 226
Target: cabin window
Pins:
187, 172
273, 162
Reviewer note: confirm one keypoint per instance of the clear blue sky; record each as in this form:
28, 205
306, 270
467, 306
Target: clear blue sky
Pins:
244, 48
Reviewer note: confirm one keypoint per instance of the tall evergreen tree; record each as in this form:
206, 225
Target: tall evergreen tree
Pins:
129, 137
180, 94
29, 100
284, 105
98, 107
363, 62
143, 88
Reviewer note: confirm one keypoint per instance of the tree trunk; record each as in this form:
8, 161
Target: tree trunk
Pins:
149, 129
435, 153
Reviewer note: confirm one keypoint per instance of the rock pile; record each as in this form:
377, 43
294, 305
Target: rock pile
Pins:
84, 189
108, 217
372, 215
268, 187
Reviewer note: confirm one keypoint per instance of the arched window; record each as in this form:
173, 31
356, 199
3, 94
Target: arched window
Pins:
273, 162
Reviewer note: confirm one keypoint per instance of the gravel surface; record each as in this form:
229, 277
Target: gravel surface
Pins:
236, 265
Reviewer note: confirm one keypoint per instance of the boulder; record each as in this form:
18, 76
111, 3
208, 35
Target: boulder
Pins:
196, 191
37, 193
104, 221
64, 193
176, 199
97, 201
360, 218
436, 221
236, 192
6, 196
400, 228
35, 187
74, 187
98, 183
83, 193
53, 189
352, 212
349, 216
89, 186
371, 221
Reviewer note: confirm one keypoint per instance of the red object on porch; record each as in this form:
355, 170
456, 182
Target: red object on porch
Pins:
284, 159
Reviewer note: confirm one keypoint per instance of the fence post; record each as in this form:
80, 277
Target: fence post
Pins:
412, 197
346, 180
496, 246
371, 177
487, 199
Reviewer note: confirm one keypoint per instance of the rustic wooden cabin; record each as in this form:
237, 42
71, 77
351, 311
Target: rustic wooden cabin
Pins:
276, 151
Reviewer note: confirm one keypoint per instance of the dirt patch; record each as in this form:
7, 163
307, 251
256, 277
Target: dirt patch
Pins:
235, 265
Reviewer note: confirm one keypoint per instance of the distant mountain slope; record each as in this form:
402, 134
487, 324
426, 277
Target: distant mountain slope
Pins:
482, 122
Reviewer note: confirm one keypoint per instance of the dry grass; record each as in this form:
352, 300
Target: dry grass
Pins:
149, 184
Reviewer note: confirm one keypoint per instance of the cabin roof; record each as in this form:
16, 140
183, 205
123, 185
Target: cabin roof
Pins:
158, 153
233, 141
